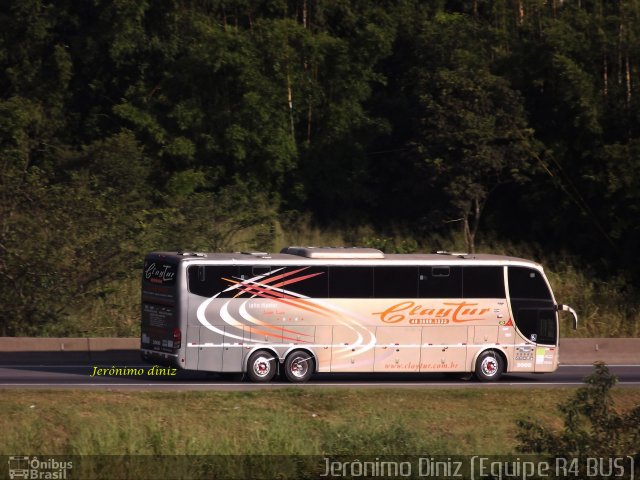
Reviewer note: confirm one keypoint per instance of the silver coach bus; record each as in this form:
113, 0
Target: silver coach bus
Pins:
308, 310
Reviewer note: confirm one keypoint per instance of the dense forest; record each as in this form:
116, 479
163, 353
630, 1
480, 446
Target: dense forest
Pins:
130, 126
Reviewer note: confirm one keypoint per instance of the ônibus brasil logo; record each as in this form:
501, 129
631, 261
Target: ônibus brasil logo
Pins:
35, 468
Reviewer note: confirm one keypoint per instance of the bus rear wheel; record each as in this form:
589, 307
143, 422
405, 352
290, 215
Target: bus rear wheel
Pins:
298, 367
489, 366
261, 367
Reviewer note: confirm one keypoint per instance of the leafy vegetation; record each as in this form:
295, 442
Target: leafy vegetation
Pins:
281, 433
593, 427
294, 421
129, 127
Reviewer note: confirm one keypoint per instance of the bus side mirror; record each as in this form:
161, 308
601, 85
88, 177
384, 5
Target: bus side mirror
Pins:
567, 308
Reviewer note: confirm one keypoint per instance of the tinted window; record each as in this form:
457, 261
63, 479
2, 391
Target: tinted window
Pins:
247, 272
527, 283
396, 282
537, 325
547, 331
527, 320
440, 282
483, 282
312, 282
208, 280
262, 281
351, 282
258, 281
256, 270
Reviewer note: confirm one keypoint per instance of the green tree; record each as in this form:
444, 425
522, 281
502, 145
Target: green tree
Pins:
473, 134
35, 61
351, 41
570, 63
127, 126
240, 217
62, 243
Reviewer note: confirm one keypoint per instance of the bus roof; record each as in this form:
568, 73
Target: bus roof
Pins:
345, 256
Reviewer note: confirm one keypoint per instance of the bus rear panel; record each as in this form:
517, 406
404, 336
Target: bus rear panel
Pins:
160, 329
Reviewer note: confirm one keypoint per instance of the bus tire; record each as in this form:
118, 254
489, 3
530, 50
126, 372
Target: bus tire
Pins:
489, 366
299, 366
262, 366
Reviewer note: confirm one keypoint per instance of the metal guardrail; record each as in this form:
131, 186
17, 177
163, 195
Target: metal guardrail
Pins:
56, 351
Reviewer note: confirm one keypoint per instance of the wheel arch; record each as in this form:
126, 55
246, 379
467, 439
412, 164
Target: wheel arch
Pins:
257, 348
499, 350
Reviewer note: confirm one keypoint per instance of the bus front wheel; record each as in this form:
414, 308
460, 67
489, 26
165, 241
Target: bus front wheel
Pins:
489, 366
298, 367
261, 367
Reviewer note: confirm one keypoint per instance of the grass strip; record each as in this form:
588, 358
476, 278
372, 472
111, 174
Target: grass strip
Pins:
293, 421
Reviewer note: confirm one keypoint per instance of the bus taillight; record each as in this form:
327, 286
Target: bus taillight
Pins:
177, 338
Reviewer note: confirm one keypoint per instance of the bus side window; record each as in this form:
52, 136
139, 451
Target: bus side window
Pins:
440, 271
547, 327
483, 282
310, 282
256, 281
395, 282
207, 281
527, 283
351, 282
259, 270
440, 282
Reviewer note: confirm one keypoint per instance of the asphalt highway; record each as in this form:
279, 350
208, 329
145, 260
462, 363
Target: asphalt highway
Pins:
143, 377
